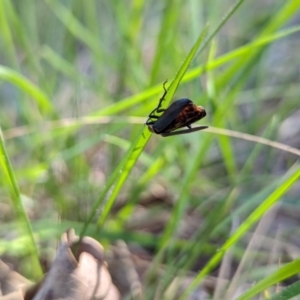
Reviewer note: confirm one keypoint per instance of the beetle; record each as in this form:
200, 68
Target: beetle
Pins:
180, 113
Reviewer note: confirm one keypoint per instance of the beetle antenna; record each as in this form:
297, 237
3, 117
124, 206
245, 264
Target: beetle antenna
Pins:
164, 86
163, 96
158, 108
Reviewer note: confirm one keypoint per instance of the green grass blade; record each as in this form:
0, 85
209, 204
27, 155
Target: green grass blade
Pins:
138, 146
283, 273
289, 9
244, 227
131, 101
130, 206
123, 167
59, 63
133, 155
74, 26
19, 208
161, 46
225, 18
225, 144
87, 61
180, 205
41, 99
6, 35
182, 70
289, 292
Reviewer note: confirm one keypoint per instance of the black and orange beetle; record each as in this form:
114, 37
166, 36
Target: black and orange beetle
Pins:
180, 113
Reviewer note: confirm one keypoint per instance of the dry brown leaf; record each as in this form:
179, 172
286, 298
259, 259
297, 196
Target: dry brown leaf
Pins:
123, 271
12, 283
78, 272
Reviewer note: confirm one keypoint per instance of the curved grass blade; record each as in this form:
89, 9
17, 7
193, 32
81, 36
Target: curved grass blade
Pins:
43, 102
138, 146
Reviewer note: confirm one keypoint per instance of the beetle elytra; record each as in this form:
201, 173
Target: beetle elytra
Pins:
180, 113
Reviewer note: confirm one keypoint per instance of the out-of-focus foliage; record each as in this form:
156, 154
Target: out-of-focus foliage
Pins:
78, 80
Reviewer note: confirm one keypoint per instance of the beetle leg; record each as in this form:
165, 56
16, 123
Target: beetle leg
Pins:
158, 109
149, 122
154, 117
163, 96
152, 114
184, 131
189, 126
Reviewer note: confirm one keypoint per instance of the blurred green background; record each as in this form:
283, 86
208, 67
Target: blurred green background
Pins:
78, 80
